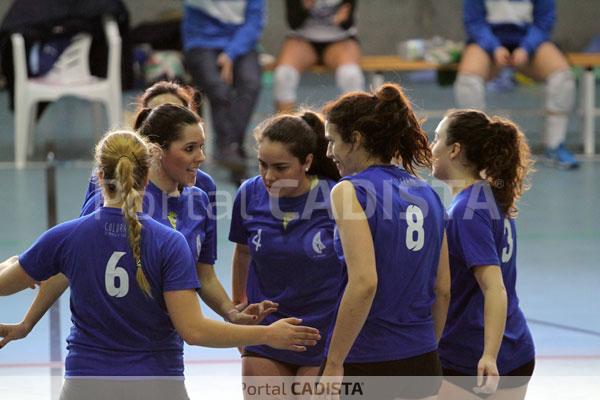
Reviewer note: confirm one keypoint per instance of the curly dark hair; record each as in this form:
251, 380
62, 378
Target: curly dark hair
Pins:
386, 121
498, 148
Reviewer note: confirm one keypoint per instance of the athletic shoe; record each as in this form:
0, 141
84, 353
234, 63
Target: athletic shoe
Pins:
561, 158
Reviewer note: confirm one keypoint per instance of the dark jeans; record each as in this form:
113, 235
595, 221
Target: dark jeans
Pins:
231, 106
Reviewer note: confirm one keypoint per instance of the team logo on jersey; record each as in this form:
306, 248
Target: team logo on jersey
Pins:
317, 243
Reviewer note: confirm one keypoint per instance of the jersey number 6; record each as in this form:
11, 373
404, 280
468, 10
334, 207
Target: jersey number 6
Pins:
112, 273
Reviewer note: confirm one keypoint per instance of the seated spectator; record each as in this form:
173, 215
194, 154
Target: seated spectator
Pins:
219, 40
323, 32
516, 34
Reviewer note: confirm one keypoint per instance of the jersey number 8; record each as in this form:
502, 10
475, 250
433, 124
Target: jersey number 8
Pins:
415, 234
112, 273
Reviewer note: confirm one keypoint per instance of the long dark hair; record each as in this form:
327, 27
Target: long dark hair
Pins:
496, 147
386, 121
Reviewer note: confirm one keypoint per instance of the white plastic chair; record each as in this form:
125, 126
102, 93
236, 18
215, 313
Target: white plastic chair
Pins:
70, 76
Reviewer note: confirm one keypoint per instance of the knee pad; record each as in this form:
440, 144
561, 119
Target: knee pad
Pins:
285, 83
560, 92
469, 91
349, 78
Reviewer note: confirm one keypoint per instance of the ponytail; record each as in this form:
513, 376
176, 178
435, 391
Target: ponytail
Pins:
124, 159
132, 201
497, 148
321, 164
141, 117
387, 123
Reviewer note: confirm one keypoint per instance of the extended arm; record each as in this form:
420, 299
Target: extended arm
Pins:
195, 329
13, 277
215, 296
49, 292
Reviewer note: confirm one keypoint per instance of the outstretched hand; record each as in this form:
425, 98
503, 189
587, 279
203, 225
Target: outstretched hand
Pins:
288, 334
253, 314
10, 332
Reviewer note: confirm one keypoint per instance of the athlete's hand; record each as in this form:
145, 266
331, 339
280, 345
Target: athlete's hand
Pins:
10, 332
226, 65
332, 374
519, 57
487, 375
502, 56
253, 314
342, 14
288, 334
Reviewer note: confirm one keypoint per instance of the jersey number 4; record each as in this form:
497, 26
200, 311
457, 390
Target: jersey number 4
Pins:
115, 274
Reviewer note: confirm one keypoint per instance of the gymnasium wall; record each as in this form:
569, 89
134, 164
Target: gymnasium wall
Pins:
382, 23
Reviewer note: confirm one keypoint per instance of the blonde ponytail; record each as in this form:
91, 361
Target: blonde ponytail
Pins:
132, 201
124, 159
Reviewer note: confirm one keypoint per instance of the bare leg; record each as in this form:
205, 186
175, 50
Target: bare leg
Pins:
343, 57
259, 371
550, 65
476, 67
296, 56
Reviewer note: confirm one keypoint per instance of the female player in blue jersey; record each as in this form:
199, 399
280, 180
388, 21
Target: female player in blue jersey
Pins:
390, 234
165, 92
132, 289
172, 200
485, 161
283, 230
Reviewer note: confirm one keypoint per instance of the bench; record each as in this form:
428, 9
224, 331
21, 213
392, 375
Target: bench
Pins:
377, 65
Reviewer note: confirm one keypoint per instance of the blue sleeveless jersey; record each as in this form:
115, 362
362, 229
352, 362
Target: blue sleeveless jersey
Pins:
93, 199
406, 218
117, 330
293, 260
479, 234
190, 213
